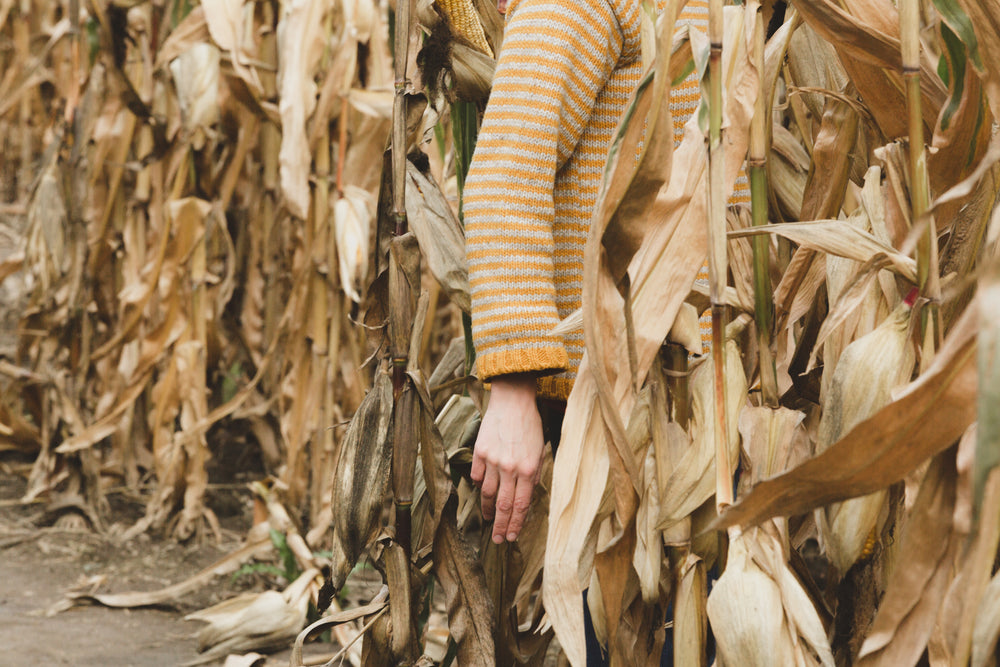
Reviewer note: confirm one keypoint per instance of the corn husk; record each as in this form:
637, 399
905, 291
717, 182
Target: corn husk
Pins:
865, 376
256, 620
352, 217
362, 476
196, 76
692, 458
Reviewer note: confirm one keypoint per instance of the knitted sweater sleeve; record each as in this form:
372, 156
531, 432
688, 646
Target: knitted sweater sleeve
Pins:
557, 56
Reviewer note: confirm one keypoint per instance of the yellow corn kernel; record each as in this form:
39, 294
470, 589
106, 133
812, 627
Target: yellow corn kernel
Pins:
465, 22
869, 545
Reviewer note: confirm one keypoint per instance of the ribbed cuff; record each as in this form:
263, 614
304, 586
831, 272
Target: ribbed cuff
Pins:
536, 360
555, 387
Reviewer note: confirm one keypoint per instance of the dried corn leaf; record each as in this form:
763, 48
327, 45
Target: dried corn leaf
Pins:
256, 543
439, 234
301, 32
838, 238
227, 24
362, 476
871, 456
931, 543
352, 216
692, 461
470, 611
987, 625
690, 627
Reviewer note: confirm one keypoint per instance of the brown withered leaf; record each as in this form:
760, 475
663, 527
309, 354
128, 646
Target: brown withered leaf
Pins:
931, 543
301, 44
987, 627
690, 627
470, 611
871, 456
840, 239
439, 234
363, 474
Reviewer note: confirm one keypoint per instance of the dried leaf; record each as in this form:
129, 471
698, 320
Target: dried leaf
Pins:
362, 476
907, 613
470, 611
439, 234
352, 215
838, 238
301, 45
255, 620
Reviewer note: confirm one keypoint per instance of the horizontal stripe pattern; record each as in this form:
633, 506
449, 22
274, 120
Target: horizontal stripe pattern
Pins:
566, 71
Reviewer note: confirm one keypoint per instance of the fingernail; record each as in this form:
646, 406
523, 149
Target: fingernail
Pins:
511, 537
498, 539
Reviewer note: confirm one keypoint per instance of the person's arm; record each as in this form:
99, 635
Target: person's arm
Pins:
556, 57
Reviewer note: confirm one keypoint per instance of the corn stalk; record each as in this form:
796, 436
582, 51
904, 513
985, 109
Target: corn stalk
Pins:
717, 255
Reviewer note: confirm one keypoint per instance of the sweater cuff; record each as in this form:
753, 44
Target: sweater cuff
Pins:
545, 360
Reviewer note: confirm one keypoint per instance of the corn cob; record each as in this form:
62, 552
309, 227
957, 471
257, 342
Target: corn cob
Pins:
464, 21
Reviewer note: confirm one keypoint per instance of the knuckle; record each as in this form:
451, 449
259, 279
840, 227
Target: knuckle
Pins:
521, 507
527, 469
504, 506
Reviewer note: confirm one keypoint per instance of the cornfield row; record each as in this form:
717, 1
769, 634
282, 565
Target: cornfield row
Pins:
206, 232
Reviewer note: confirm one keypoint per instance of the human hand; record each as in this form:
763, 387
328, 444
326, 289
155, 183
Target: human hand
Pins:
508, 454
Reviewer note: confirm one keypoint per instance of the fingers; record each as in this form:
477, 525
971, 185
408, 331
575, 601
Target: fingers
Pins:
491, 483
478, 466
504, 506
522, 501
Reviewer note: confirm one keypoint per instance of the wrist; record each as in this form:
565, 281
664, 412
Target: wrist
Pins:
514, 388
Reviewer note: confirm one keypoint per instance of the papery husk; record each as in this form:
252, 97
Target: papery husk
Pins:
865, 376
746, 614
690, 627
362, 476
473, 73
692, 457
987, 625
256, 620
352, 215
196, 76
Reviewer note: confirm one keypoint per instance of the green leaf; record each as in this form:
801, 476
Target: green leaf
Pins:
956, 60
960, 24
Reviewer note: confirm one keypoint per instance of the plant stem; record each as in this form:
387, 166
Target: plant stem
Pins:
400, 323
763, 296
717, 255
927, 260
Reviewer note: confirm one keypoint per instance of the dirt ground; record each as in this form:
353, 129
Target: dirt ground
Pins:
42, 559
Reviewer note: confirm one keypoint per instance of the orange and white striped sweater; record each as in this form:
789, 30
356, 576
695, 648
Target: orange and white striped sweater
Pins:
565, 74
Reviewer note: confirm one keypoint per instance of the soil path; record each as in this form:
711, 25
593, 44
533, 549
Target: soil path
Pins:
39, 564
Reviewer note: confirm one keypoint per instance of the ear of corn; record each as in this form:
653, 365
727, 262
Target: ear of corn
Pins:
866, 373
465, 22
